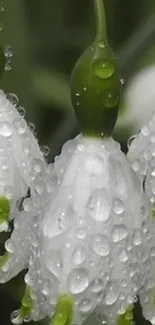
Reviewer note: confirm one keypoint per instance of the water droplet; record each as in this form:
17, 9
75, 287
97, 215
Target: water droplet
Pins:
111, 294
8, 52
21, 111
130, 140
122, 81
45, 150
78, 255
137, 237
1, 27
99, 205
31, 127
13, 99
81, 233
27, 204
77, 94
153, 251
111, 100
124, 283
85, 305
15, 319
37, 165
78, 280
100, 245
123, 256
101, 44
9, 246
118, 206
104, 68
96, 285
5, 129
121, 297
119, 233
27, 318
20, 126
46, 289
28, 279
145, 130
1, 7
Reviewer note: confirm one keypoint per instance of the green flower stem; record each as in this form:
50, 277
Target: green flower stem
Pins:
100, 21
95, 84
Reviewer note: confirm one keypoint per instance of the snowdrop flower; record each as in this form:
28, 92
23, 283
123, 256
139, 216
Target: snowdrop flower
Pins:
18, 151
86, 235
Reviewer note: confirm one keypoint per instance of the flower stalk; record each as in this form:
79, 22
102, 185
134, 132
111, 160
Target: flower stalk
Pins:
101, 30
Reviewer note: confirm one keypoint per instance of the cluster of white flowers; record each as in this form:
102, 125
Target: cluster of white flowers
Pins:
85, 231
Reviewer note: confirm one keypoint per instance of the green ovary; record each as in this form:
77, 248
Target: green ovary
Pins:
64, 311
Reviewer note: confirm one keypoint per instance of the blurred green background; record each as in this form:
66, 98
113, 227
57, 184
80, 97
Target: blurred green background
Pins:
47, 37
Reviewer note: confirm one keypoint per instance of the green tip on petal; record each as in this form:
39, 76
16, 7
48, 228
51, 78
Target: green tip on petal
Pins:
24, 314
4, 259
95, 83
127, 317
153, 211
4, 213
64, 311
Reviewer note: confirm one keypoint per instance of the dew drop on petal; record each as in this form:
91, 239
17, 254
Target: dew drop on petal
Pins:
21, 111
20, 126
15, 319
78, 280
96, 285
118, 206
100, 245
5, 129
123, 256
81, 233
31, 127
119, 233
99, 205
145, 130
111, 294
27, 318
137, 237
45, 150
9, 246
78, 255
85, 305
130, 140
13, 99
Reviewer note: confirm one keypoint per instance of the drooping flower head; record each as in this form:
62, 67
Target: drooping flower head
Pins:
86, 234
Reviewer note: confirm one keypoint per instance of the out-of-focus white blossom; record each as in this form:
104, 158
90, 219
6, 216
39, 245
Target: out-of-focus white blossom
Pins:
139, 100
18, 152
141, 154
92, 245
